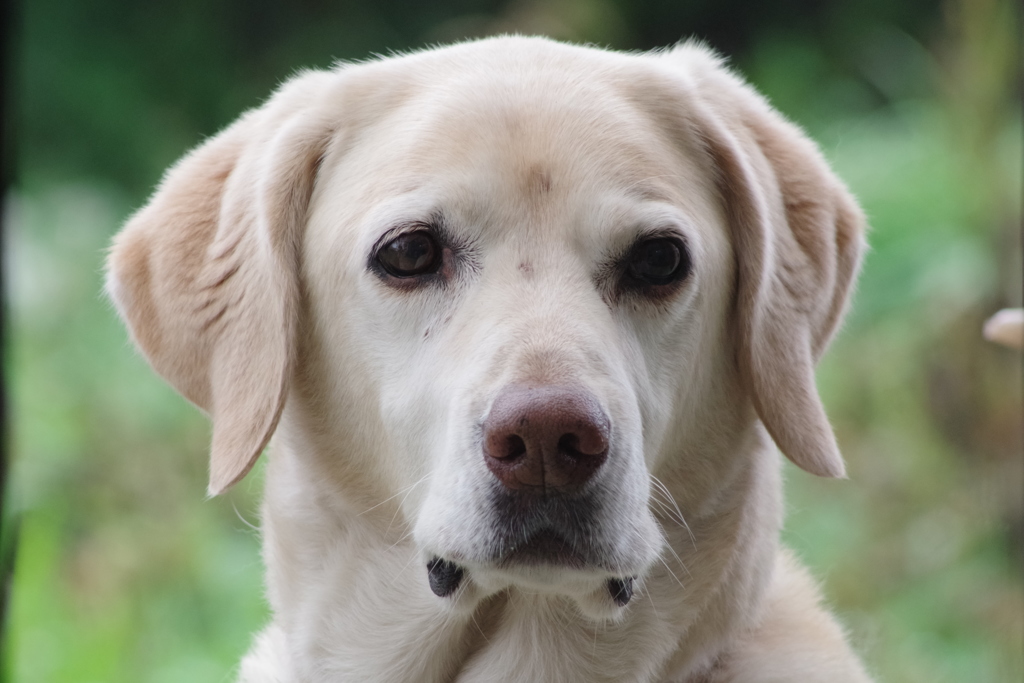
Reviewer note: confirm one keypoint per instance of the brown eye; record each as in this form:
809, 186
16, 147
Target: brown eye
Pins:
415, 253
658, 261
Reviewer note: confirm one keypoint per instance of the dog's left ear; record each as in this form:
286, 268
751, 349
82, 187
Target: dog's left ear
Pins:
206, 274
798, 236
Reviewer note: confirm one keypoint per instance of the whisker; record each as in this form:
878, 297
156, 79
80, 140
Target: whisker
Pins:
407, 488
660, 486
412, 556
393, 545
669, 512
654, 606
472, 615
674, 553
408, 491
244, 520
669, 569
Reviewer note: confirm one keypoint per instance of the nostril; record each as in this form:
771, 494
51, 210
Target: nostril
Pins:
569, 445
587, 441
515, 448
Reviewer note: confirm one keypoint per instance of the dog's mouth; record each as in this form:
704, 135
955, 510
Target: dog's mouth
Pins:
551, 544
560, 532
545, 547
541, 538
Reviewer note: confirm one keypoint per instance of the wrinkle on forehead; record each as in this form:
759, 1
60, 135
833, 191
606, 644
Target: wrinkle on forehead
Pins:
537, 181
544, 162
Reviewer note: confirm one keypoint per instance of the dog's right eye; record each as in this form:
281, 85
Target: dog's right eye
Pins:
658, 262
411, 254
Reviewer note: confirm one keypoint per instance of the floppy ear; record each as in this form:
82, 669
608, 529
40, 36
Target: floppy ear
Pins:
205, 275
798, 236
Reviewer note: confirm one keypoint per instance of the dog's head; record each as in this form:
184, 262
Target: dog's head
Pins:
501, 285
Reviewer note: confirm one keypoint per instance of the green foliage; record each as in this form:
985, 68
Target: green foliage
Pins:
125, 573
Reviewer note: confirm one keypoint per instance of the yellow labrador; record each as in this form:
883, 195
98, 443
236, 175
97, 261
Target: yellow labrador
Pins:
529, 324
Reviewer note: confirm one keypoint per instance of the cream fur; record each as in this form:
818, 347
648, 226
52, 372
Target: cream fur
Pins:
245, 281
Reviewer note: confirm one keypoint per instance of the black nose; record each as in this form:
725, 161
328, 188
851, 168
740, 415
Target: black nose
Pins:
545, 439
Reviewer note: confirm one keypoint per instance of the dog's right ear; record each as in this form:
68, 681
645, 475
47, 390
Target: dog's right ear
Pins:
205, 275
797, 236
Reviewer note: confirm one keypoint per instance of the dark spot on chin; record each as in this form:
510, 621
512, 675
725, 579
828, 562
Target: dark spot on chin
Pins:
621, 590
444, 577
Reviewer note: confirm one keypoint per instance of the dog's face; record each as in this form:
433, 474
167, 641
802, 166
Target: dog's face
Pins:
536, 278
503, 284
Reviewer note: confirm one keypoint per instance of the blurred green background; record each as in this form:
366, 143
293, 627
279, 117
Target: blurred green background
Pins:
124, 572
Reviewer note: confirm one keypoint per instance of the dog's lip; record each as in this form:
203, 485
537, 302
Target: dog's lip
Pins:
545, 547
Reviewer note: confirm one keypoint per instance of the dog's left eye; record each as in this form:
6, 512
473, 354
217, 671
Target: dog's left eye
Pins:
658, 261
409, 255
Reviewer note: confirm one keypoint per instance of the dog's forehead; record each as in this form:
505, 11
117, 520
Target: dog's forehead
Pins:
540, 133
518, 138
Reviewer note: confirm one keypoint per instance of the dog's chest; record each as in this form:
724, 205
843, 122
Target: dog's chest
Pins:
539, 639
512, 638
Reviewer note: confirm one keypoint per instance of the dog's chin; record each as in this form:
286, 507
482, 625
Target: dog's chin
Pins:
546, 565
598, 596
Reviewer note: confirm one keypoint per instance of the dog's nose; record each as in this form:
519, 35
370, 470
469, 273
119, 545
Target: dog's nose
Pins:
545, 439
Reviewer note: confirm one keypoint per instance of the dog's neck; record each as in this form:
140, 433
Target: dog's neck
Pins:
351, 599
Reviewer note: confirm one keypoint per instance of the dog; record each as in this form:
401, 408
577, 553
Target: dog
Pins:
530, 325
